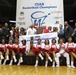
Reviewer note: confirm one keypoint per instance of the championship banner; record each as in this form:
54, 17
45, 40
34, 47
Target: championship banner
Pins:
41, 12
48, 36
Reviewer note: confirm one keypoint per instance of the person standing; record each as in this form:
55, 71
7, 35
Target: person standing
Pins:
74, 34
38, 29
6, 32
1, 35
46, 30
11, 33
31, 30
61, 31
67, 31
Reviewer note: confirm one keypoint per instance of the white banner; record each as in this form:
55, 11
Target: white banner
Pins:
41, 12
49, 36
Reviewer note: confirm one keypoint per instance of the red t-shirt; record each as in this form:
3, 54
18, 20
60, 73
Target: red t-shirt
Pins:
45, 31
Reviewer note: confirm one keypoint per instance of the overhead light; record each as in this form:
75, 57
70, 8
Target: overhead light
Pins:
12, 21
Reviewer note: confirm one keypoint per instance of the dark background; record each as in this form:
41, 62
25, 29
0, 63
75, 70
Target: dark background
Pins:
8, 10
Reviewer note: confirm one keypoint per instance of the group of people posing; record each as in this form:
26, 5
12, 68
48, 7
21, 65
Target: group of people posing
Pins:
56, 50
11, 50
67, 50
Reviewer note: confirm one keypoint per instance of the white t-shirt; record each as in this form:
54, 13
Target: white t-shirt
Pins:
31, 31
11, 32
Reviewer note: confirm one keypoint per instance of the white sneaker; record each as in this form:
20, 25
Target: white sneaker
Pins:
18, 64
68, 66
57, 66
73, 66
45, 65
10, 64
53, 65
36, 65
0, 62
4, 62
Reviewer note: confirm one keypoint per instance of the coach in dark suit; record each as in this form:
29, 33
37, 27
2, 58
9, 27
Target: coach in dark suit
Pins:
6, 32
67, 31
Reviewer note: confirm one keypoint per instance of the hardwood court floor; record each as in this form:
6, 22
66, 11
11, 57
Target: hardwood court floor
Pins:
31, 70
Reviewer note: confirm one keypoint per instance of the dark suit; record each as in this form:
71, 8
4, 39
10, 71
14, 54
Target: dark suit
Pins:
67, 32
